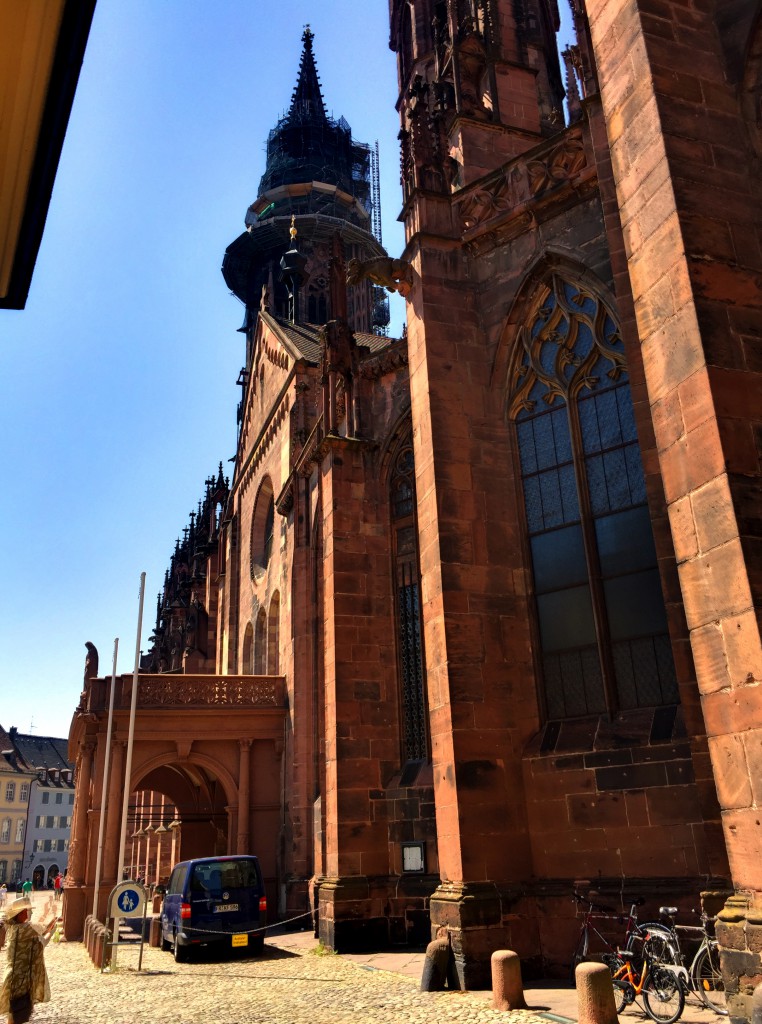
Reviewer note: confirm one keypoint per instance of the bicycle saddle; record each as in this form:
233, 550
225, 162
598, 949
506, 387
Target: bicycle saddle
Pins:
669, 911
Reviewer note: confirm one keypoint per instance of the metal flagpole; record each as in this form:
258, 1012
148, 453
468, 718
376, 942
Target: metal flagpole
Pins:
128, 765
104, 791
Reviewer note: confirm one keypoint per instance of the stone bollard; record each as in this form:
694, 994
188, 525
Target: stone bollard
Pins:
97, 954
595, 995
439, 966
155, 934
156, 905
756, 1005
507, 987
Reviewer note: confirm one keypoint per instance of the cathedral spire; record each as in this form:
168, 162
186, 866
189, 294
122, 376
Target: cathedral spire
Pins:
307, 98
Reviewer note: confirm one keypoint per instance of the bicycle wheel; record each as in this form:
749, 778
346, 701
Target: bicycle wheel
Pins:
656, 942
663, 995
624, 994
706, 977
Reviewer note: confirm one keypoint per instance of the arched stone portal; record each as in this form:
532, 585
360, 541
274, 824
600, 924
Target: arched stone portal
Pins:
207, 750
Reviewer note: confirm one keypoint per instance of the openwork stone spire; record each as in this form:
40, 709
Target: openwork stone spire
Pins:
307, 98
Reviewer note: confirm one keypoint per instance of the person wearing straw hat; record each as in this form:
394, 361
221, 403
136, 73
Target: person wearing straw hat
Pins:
25, 981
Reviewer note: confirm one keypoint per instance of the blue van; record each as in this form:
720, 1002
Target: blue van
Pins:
214, 901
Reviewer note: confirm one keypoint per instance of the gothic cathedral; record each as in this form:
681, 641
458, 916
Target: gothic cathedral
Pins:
480, 600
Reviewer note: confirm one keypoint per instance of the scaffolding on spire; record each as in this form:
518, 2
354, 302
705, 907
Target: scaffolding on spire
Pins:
375, 193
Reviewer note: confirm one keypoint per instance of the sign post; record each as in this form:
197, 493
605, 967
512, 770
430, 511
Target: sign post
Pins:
127, 899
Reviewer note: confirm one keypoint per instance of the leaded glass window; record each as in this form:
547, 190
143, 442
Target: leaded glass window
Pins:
408, 607
600, 611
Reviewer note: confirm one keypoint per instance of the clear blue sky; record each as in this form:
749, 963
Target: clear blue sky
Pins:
117, 382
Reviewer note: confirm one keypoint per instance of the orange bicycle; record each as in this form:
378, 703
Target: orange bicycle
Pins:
657, 983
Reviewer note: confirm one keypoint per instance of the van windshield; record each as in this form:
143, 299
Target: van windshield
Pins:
213, 877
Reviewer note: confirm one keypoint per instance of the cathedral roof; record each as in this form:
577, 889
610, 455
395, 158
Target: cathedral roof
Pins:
303, 340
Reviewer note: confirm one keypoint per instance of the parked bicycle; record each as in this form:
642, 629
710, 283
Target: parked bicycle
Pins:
702, 976
658, 984
593, 916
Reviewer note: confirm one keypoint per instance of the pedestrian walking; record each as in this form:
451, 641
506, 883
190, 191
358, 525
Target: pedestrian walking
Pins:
26, 888
25, 981
57, 883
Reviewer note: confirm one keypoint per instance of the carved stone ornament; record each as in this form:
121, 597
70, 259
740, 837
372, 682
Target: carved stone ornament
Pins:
485, 203
560, 164
178, 692
392, 274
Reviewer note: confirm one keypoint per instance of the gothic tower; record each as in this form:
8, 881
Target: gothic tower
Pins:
318, 173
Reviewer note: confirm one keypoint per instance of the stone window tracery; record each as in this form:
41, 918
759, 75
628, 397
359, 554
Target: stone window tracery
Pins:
600, 611
408, 608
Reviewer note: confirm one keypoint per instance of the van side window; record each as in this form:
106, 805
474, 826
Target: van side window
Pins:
177, 881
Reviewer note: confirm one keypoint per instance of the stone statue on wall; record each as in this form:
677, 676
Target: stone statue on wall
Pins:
392, 274
91, 662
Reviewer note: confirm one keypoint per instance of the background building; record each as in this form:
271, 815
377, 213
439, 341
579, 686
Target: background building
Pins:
496, 580
51, 804
16, 778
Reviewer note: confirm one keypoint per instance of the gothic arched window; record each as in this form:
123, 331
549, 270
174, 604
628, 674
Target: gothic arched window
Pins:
262, 529
273, 636
601, 618
408, 606
260, 644
248, 650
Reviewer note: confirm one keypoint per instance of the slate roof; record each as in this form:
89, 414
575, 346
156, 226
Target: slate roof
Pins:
303, 340
39, 751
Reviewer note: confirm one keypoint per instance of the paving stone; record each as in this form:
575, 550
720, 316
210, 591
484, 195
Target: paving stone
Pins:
286, 985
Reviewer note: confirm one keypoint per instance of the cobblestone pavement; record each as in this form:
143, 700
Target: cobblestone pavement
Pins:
287, 985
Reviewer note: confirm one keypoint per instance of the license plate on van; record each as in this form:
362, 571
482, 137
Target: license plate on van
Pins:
241, 940
222, 908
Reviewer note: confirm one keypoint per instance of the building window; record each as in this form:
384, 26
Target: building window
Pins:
262, 529
260, 644
273, 636
71, 798
601, 618
248, 650
45, 798
59, 798
3, 870
50, 821
16, 871
407, 602
36, 845
10, 792
5, 831
20, 830
24, 792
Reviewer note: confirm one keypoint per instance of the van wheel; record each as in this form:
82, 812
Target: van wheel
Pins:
180, 953
166, 945
257, 944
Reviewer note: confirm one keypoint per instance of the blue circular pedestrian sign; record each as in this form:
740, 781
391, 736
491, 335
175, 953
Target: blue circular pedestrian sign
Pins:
127, 900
